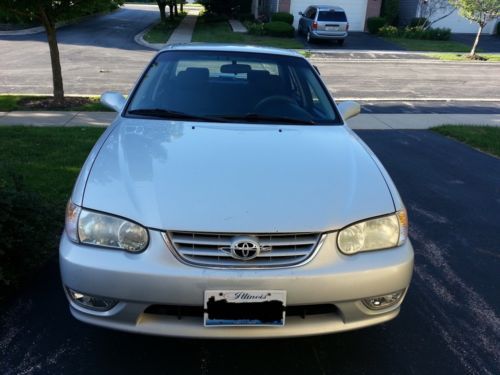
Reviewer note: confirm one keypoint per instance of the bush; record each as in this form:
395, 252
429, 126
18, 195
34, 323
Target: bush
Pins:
246, 17
282, 17
27, 231
418, 22
374, 24
426, 34
279, 29
255, 28
389, 31
213, 17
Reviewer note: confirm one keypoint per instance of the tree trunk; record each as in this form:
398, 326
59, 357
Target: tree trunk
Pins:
175, 9
171, 10
162, 5
182, 5
473, 50
57, 79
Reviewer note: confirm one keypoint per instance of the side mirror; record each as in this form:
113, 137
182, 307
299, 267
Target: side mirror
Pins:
113, 100
349, 109
301, 14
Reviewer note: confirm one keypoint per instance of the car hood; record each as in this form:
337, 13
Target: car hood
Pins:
242, 178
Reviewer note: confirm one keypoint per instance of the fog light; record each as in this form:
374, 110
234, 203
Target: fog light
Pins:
383, 302
92, 302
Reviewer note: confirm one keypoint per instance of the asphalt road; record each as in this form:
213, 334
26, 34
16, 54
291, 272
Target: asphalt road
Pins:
100, 54
449, 323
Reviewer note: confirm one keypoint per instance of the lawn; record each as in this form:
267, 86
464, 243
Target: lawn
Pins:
484, 138
160, 33
220, 32
430, 45
38, 168
493, 57
31, 103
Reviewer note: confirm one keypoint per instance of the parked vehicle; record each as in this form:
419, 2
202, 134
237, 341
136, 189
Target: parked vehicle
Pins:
229, 199
324, 22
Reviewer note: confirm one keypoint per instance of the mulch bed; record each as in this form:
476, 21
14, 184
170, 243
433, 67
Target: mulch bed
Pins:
47, 103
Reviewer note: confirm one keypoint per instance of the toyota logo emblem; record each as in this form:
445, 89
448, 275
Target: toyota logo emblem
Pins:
245, 248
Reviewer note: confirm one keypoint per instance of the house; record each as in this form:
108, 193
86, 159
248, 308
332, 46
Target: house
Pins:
359, 10
435, 9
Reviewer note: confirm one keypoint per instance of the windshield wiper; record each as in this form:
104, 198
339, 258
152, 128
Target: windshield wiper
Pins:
255, 117
168, 114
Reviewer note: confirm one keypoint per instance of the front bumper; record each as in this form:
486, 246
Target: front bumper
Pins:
157, 277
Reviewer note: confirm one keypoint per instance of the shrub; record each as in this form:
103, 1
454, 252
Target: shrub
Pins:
246, 17
255, 28
374, 24
418, 22
389, 31
279, 29
282, 17
213, 17
428, 34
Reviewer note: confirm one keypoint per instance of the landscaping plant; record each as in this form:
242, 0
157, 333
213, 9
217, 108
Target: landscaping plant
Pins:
480, 12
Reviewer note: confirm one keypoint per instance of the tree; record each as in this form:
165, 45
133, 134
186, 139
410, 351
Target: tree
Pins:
480, 12
162, 4
429, 9
49, 12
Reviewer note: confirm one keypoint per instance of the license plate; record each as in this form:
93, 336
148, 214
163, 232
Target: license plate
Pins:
331, 28
244, 308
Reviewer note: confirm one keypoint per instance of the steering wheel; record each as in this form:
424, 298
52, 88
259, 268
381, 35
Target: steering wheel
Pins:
281, 105
273, 101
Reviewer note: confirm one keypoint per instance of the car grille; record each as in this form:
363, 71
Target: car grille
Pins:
282, 250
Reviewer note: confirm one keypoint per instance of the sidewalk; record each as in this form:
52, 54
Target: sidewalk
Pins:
363, 121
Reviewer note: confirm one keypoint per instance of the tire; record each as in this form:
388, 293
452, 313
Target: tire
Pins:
341, 42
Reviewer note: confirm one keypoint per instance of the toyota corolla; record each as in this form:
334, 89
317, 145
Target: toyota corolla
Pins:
229, 199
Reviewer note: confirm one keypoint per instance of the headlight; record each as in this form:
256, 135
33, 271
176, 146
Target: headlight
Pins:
374, 234
94, 228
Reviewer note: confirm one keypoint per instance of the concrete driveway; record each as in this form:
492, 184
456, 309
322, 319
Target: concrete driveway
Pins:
449, 323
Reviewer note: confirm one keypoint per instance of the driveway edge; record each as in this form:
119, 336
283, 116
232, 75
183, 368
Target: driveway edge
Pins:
139, 39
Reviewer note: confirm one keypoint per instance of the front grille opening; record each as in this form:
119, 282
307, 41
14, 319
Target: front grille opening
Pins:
180, 312
213, 249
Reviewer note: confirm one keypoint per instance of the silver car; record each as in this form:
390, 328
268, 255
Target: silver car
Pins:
324, 22
229, 199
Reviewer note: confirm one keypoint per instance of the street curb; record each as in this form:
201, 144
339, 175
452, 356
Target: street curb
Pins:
139, 39
40, 29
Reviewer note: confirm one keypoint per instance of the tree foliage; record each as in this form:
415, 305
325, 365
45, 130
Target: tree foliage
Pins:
478, 11
48, 13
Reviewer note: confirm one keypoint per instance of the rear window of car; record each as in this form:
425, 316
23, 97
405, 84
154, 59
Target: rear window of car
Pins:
331, 15
235, 86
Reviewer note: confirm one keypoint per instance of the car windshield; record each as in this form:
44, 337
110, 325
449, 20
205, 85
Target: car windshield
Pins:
331, 15
232, 87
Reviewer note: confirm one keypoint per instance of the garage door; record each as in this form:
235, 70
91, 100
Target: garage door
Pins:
355, 10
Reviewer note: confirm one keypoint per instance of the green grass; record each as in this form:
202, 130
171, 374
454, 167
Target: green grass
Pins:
484, 138
15, 103
220, 32
38, 168
430, 45
493, 57
160, 33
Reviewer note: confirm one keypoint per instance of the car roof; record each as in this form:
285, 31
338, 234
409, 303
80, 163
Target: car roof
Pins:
230, 48
328, 7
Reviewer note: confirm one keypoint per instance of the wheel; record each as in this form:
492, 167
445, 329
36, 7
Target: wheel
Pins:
340, 42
